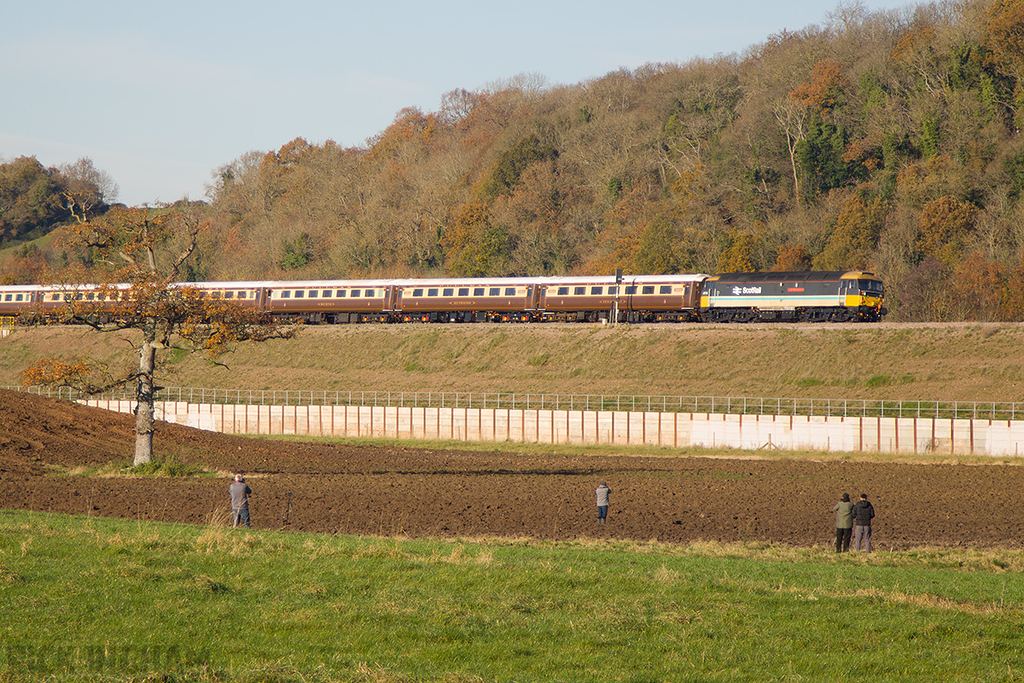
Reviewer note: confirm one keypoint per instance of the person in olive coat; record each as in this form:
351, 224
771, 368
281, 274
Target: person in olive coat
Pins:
844, 523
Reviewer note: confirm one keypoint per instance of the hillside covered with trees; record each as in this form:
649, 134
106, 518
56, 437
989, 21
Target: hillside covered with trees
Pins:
886, 141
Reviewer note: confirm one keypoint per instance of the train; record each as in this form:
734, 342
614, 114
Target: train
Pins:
808, 296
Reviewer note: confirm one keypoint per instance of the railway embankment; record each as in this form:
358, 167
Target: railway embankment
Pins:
930, 362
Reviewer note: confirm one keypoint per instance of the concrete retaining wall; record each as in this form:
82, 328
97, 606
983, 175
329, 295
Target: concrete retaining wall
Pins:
749, 432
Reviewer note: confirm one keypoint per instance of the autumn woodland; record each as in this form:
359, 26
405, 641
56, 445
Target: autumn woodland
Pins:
885, 141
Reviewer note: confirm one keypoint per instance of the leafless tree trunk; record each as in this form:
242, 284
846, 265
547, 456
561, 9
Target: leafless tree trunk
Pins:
790, 120
144, 407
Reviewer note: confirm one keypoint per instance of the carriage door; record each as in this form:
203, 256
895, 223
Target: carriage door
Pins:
532, 298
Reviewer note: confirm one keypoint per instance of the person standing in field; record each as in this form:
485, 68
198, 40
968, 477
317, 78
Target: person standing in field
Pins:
844, 523
602, 502
240, 493
863, 513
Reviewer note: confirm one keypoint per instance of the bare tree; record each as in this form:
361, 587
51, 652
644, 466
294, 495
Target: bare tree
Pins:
136, 287
86, 188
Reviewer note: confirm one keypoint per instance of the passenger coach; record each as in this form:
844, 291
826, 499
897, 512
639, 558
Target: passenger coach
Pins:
634, 298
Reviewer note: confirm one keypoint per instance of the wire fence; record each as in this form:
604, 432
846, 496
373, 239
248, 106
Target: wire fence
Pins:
728, 405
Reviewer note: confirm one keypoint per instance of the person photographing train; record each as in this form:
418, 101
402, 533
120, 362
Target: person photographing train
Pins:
863, 513
240, 493
602, 502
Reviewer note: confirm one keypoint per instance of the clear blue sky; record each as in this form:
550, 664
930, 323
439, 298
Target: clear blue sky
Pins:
159, 95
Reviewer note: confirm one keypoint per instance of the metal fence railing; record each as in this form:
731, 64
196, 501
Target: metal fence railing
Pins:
826, 407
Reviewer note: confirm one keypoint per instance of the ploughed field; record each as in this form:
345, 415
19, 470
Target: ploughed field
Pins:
329, 488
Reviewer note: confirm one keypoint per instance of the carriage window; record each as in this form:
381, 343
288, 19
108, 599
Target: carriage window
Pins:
631, 289
327, 294
242, 295
355, 293
563, 291
495, 291
648, 289
286, 295
432, 291
314, 293
665, 289
510, 291
596, 290
299, 293
613, 290
342, 293
579, 290
417, 292
370, 292
9, 297
229, 295
463, 291
478, 291
19, 297
449, 291
88, 297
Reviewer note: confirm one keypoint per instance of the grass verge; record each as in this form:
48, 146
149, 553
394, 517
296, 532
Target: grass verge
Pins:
163, 464
94, 599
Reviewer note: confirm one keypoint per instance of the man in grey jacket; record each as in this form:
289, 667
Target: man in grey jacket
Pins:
602, 502
240, 493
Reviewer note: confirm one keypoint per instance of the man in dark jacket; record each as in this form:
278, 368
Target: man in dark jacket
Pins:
863, 513
844, 523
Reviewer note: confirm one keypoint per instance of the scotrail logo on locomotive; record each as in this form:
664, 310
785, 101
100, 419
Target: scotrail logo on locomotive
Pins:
736, 291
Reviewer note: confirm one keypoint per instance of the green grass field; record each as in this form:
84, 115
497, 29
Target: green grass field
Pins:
95, 599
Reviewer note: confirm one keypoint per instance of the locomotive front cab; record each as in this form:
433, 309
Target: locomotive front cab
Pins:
864, 293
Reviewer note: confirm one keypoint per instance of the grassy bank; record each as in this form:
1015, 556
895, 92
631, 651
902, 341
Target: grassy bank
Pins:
965, 362
105, 599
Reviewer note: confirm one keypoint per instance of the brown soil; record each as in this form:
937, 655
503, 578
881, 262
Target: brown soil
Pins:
419, 492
